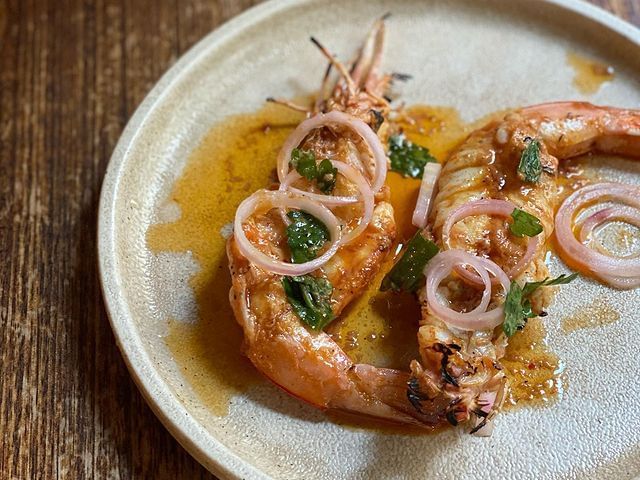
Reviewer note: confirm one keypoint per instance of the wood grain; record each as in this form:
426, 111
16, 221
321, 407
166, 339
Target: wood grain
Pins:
71, 74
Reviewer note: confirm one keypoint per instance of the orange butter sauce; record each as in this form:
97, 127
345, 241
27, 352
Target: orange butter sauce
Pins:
236, 158
590, 74
597, 313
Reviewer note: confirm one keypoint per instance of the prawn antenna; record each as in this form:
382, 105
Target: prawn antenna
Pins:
403, 77
288, 104
323, 88
339, 66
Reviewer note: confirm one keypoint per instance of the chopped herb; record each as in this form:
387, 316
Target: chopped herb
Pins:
516, 310
408, 158
305, 163
530, 167
310, 298
326, 179
406, 275
524, 224
324, 173
563, 279
305, 236
517, 305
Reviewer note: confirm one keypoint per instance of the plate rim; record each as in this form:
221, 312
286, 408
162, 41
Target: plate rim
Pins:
206, 449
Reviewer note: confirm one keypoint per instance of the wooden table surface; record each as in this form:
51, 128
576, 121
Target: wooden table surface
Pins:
71, 73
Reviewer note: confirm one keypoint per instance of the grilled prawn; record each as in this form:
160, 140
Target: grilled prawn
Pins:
459, 378
306, 362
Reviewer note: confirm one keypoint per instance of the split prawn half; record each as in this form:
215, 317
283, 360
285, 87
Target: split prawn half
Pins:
345, 128
460, 378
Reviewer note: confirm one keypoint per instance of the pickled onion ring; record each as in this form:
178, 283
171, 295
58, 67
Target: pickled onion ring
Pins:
426, 194
337, 118
487, 206
619, 272
277, 199
441, 266
366, 196
620, 213
327, 200
610, 214
620, 282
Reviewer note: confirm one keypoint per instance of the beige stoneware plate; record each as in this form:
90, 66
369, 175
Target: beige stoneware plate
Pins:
477, 56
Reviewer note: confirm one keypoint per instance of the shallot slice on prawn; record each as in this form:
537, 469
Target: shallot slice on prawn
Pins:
379, 169
351, 174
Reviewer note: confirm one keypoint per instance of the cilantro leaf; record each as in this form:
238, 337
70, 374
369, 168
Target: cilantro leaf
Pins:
305, 163
324, 173
408, 158
326, 177
530, 167
310, 298
563, 279
515, 314
406, 275
524, 224
517, 305
305, 236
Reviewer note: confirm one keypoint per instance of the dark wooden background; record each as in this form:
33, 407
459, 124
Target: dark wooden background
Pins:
71, 74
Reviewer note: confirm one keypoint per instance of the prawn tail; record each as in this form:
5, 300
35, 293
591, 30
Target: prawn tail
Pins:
458, 394
388, 387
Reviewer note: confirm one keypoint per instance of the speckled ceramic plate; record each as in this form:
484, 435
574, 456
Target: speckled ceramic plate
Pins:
475, 55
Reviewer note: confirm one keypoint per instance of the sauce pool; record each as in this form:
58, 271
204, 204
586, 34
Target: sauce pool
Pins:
235, 158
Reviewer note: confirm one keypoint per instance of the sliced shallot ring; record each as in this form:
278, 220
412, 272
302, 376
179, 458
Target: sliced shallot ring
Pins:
336, 118
426, 194
366, 196
441, 267
487, 206
348, 171
621, 282
276, 199
618, 271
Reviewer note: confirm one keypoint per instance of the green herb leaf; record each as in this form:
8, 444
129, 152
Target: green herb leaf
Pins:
406, 275
305, 236
305, 163
324, 173
517, 305
514, 312
530, 167
563, 279
408, 158
310, 298
326, 177
524, 224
